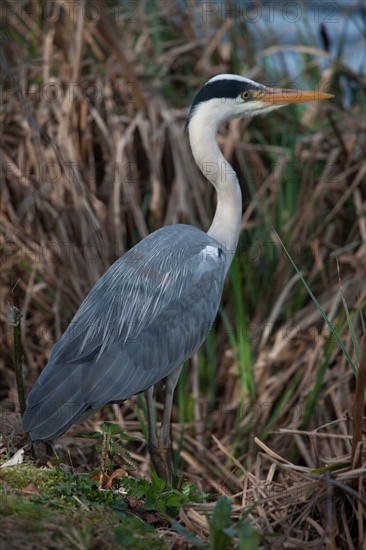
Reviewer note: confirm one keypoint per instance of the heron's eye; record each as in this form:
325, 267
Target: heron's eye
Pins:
245, 95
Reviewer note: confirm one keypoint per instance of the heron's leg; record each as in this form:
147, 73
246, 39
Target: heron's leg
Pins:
159, 449
164, 435
152, 442
149, 396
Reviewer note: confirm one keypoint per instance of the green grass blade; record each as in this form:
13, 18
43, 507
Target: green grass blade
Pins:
351, 328
244, 353
318, 306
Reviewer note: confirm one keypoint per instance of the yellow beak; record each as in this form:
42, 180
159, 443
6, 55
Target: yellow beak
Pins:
283, 96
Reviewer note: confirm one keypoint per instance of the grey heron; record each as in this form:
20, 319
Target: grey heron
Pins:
154, 306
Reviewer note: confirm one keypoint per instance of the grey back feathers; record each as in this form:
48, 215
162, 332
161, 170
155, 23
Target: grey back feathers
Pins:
147, 314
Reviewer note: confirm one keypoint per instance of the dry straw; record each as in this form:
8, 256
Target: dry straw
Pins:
94, 158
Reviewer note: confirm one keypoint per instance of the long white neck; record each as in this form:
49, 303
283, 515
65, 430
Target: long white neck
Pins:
225, 226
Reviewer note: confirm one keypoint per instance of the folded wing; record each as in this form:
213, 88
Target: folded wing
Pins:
147, 314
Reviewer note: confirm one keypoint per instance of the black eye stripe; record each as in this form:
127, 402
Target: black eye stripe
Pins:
222, 89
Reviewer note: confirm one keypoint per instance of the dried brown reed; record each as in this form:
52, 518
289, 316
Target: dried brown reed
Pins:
94, 157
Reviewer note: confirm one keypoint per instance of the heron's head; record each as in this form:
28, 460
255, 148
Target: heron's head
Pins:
228, 96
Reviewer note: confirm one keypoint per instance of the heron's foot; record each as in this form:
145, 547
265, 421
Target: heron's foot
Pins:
160, 456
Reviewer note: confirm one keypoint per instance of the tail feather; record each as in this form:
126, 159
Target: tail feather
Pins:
54, 404
42, 426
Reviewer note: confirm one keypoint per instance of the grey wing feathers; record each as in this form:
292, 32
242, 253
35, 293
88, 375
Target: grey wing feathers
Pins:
149, 312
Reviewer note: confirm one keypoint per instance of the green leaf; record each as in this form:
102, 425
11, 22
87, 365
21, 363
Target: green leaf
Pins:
115, 448
136, 488
221, 514
220, 533
112, 429
192, 539
157, 483
90, 435
248, 539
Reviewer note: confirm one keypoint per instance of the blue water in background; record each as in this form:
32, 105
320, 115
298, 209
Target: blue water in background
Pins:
294, 23
339, 26
282, 22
